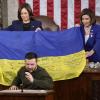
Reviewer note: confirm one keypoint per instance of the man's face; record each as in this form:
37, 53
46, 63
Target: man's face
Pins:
30, 64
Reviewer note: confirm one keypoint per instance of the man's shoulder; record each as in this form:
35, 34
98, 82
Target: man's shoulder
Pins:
39, 68
42, 71
22, 69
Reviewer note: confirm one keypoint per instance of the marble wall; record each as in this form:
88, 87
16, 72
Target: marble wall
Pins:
8, 11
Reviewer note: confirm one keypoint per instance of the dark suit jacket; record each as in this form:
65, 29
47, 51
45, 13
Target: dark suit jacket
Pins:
18, 26
42, 80
93, 42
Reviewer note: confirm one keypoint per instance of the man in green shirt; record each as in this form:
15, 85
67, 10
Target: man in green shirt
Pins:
31, 76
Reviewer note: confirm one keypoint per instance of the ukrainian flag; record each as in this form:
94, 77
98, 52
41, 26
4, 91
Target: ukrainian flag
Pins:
60, 53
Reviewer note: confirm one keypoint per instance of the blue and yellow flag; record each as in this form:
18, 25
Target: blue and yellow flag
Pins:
60, 53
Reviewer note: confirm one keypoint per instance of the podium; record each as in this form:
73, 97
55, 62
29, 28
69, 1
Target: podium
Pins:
84, 87
26, 95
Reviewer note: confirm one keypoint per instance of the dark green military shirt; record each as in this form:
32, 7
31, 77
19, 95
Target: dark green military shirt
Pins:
42, 79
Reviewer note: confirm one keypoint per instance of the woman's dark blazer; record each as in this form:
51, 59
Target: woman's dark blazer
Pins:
93, 42
18, 26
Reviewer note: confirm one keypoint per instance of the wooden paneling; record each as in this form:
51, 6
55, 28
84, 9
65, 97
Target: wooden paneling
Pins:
85, 87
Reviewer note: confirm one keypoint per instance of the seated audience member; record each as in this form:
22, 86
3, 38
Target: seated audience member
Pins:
91, 35
32, 76
26, 21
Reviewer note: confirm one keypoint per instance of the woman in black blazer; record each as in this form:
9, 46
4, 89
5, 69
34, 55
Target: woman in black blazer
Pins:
26, 21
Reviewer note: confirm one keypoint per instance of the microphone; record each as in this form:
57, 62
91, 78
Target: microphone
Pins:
21, 87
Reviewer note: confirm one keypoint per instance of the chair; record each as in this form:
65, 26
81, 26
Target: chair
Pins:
97, 19
47, 23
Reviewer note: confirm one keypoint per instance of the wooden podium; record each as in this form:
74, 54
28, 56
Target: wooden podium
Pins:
84, 87
26, 95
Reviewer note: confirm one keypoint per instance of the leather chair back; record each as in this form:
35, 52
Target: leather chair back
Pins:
47, 23
97, 19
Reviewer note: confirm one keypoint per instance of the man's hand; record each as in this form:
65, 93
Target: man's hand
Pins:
29, 77
13, 87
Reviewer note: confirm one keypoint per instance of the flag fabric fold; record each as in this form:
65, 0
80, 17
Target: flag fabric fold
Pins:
60, 53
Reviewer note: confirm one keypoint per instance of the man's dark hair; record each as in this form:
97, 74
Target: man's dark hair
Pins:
31, 55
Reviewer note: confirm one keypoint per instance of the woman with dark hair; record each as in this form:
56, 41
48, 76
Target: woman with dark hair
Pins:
26, 21
91, 35
91, 38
